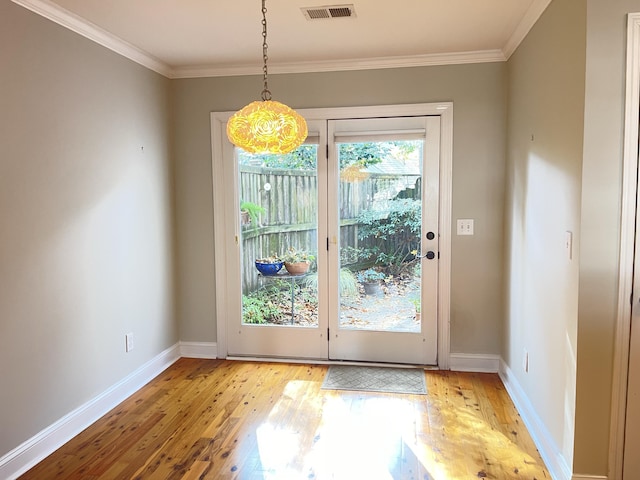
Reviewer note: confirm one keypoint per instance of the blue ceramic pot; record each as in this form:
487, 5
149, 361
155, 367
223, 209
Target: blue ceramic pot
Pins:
269, 268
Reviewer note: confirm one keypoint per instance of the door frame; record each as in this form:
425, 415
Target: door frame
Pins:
629, 211
223, 240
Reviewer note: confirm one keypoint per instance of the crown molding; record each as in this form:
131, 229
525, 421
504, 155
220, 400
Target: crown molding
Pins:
530, 18
483, 56
79, 25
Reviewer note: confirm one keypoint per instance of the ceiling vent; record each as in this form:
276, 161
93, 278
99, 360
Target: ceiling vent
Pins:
331, 11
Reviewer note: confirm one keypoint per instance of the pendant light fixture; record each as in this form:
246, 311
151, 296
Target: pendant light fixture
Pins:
266, 126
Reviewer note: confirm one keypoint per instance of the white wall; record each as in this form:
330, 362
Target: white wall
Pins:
479, 96
600, 227
86, 249
546, 101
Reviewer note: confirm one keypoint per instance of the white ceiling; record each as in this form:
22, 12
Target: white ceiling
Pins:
190, 38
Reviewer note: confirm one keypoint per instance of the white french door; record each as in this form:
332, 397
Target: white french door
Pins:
280, 315
362, 198
383, 222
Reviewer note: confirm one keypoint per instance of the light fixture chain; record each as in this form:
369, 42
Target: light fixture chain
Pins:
266, 94
266, 126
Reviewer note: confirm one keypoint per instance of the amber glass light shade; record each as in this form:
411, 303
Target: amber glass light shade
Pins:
267, 126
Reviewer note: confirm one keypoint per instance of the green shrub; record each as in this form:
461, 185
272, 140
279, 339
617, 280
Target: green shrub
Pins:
391, 236
258, 309
348, 283
370, 275
253, 210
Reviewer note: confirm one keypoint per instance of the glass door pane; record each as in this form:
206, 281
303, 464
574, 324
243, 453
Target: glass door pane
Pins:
380, 191
279, 237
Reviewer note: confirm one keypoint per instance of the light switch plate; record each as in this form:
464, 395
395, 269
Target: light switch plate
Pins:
568, 244
128, 342
465, 226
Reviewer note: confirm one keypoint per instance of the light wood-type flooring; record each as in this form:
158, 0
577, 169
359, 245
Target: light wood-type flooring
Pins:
218, 419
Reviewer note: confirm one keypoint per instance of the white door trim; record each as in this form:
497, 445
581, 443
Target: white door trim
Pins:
220, 192
627, 240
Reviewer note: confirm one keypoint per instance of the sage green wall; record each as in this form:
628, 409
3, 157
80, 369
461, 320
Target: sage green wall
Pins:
600, 232
545, 125
86, 221
478, 94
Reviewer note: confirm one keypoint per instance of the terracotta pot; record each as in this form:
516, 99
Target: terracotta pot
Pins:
297, 268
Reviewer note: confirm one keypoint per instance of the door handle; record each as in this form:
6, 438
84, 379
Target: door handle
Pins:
430, 255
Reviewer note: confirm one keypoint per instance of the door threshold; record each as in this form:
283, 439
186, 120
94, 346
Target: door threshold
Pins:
313, 361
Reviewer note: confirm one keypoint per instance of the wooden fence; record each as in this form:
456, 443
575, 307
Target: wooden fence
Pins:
289, 198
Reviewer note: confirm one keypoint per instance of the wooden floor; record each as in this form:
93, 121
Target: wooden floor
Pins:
218, 419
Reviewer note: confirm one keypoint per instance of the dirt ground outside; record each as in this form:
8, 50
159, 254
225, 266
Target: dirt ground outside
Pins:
392, 308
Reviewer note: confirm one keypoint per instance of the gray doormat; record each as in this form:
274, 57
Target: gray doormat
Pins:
375, 379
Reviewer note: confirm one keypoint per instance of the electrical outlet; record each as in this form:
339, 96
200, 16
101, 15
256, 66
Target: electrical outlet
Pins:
525, 362
128, 342
465, 226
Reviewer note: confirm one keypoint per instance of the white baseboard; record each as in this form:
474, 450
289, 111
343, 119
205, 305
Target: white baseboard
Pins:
199, 349
588, 477
467, 362
25, 456
549, 451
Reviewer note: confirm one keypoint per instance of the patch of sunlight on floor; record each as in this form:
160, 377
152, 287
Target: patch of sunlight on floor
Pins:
345, 436
359, 440
278, 448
